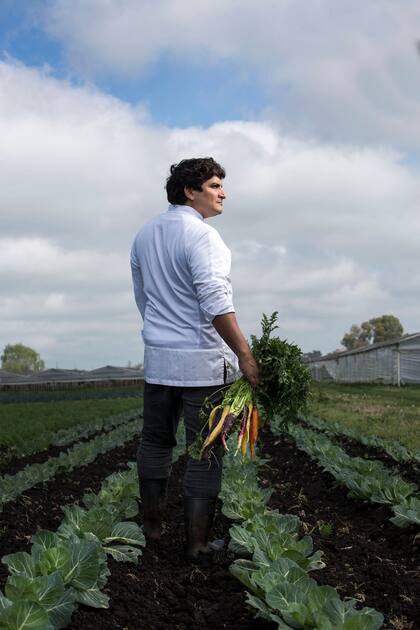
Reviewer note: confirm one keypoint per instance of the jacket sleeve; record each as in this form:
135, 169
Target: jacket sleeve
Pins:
209, 261
137, 282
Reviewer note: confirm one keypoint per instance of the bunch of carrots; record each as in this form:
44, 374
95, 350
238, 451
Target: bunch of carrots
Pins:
283, 391
238, 411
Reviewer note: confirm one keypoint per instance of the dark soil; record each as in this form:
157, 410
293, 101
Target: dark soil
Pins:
367, 557
164, 592
40, 507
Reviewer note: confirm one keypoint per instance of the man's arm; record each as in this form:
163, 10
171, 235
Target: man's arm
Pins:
137, 283
228, 328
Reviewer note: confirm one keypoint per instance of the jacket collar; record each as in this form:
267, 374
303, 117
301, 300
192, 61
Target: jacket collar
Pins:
187, 209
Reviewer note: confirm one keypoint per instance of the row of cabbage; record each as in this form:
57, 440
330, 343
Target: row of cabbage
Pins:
393, 448
276, 561
84, 431
62, 437
365, 478
11, 486
69, 566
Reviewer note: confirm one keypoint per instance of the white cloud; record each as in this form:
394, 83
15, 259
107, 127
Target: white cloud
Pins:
340, 71
325, 234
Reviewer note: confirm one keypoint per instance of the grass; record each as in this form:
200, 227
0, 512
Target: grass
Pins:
23, 423
391, 412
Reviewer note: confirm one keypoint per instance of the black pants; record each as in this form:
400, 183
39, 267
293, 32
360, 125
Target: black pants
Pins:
162, 409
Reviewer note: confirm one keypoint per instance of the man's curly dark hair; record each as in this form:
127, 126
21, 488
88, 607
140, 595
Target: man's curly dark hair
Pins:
191, 173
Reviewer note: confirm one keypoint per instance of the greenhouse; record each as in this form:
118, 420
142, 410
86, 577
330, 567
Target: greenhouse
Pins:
395, 362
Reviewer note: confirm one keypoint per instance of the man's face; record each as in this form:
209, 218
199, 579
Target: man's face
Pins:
208, 201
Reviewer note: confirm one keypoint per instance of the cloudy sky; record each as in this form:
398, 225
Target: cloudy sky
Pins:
312, 107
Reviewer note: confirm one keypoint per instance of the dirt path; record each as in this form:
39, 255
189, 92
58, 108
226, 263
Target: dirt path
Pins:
163, 592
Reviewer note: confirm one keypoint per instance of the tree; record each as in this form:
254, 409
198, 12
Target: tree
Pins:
374, 330
21, 359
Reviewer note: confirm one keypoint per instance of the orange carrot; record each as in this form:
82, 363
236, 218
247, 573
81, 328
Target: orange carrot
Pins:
246, 433
253, 431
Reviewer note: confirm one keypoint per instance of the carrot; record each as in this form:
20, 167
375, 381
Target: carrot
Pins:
253, 431
215, 432
246, 433
242, 428
212, 416
227, 426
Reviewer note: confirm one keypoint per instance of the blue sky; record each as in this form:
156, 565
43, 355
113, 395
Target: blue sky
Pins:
314, 112
177, 93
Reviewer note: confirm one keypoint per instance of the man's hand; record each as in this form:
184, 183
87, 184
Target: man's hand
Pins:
227, 327
249, 368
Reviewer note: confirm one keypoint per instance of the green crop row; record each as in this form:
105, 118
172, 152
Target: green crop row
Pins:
393, 448
276, 561
27, 428
69, 566
83, 431
365, 478
11, 486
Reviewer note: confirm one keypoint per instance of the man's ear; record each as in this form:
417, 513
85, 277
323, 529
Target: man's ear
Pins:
189, 193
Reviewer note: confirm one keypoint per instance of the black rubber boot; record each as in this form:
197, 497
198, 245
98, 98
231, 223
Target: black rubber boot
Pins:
153, 499
199, 515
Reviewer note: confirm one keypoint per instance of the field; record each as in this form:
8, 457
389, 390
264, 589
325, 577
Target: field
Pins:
391, 412
366, 546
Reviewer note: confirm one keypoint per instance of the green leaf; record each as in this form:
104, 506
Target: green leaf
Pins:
283, 596
241, 541
123, 553
98, 521
244, 571
47, 591
4, 603
73, 516
54, 559
264, 611
45, 539
20, 563
231, 512
128, 533
319, 598
60, 612
92, 597
83, 567
25, 616
344, 616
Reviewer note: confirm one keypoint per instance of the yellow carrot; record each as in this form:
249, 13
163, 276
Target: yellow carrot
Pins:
216, 431
213, 415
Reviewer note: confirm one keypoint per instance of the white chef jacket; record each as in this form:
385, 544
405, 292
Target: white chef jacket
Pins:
181, 277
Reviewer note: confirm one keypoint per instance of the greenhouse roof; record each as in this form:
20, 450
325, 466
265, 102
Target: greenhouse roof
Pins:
56, 375
372, 346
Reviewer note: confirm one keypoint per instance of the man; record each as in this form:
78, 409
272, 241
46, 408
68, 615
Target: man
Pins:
193, 344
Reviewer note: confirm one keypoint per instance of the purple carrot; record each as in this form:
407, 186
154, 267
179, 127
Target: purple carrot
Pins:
243, 427
227, 427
